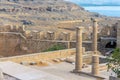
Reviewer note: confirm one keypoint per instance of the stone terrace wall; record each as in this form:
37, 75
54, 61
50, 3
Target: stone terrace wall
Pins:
41, 56
42, 45
46, 56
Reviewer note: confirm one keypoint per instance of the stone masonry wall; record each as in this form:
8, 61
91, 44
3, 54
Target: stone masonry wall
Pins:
46, 56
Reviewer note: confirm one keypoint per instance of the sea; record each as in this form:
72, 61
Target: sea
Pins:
113, 11
108, 10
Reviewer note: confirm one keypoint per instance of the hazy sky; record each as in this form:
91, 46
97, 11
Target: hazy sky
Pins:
97, 1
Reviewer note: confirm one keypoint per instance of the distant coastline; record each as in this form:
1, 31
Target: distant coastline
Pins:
107, 10
87, 5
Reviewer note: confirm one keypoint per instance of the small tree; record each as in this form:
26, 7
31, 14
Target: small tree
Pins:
114, 62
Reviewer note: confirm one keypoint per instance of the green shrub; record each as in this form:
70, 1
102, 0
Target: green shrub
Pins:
114, 62
55, 47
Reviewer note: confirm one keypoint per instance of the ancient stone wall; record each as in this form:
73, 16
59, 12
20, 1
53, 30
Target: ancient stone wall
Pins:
49, 35
11, 44
15, 40
12, 40
42, 45
86, 44
37, 57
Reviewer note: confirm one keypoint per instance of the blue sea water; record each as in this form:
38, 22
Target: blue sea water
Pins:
104, 7
113, 11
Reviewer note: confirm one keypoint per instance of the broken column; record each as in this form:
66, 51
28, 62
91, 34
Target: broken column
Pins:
95, 57
34, 34
78, 63
23, 28
51, 35
66, 36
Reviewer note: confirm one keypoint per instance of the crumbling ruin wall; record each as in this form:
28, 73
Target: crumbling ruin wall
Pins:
12, 40
11, 44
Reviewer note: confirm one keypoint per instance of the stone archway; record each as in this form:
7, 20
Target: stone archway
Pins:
111, 44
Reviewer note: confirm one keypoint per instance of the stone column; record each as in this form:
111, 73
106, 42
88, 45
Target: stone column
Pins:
70, 37
83, 50
1, 75
118, 33
34, 33
50, 35
79, 59
95, 57
95, 65
55, 36
68, 44
23, 27
17, 27
94, 40
65, 36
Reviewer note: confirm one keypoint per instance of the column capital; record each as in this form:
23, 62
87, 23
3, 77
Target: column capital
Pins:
94, 20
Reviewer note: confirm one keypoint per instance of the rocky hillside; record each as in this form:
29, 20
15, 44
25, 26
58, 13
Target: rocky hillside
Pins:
31, 12
48, 15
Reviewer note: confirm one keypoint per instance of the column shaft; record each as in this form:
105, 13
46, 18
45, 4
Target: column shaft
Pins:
83, 50
68, 44
95, 31
95, 57
78, 65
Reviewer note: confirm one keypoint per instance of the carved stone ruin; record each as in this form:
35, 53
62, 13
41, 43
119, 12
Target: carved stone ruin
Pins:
51, 35
79, 58
95, 57
66, 36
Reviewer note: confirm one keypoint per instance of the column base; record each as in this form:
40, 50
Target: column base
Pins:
76, 71
88, 74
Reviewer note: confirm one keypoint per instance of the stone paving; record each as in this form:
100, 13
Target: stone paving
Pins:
25, 73
64, 70
6, 77
59, 71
